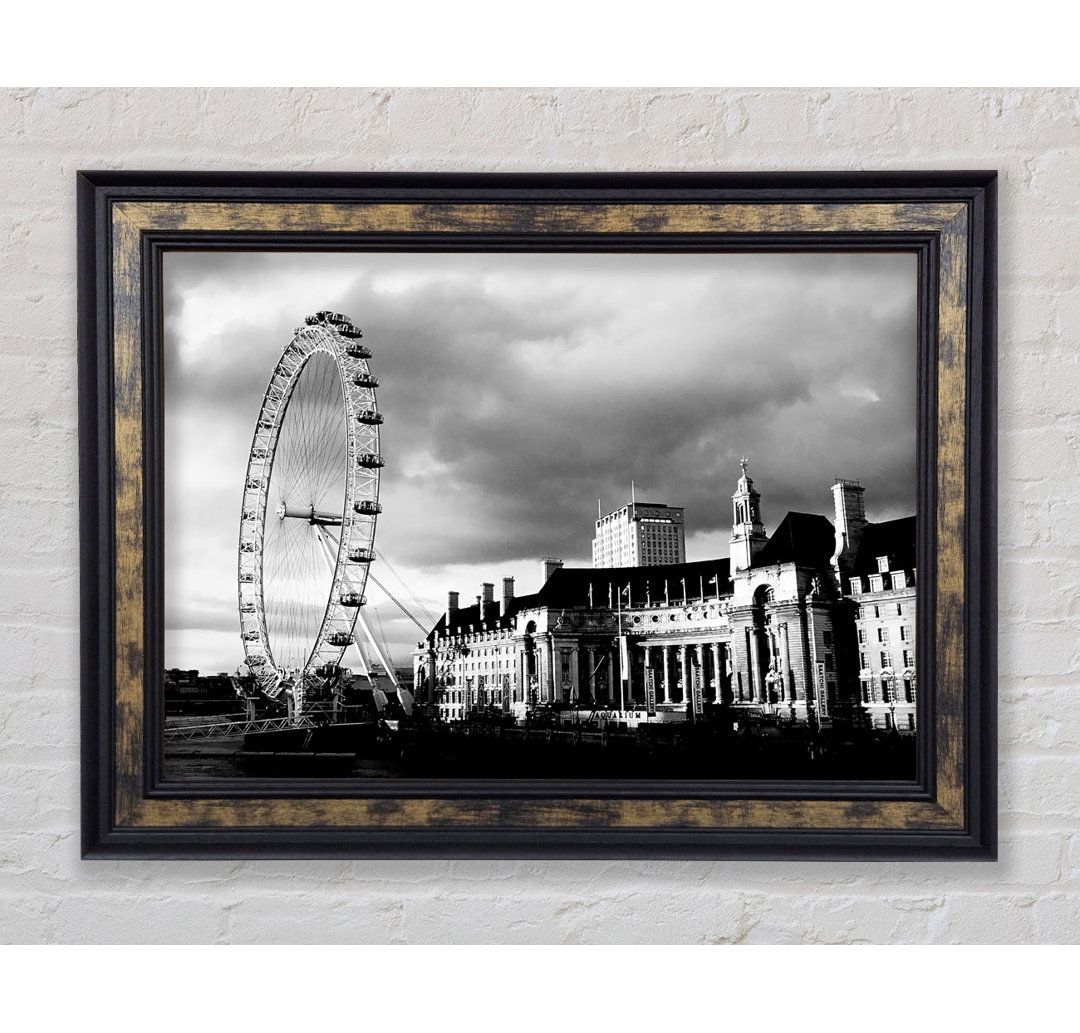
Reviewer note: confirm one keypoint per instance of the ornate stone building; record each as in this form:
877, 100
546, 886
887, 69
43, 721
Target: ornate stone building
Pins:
783, 628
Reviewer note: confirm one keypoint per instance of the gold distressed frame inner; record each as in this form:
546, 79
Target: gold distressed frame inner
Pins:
948, 220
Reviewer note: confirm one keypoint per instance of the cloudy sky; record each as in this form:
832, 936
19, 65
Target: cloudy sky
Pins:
519, 389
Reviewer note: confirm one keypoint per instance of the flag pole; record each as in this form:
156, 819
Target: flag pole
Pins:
618, 628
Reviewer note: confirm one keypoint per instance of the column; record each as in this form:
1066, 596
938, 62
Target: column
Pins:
685, 666
610, 676
667, 675
785, 658
590, 679
628, 675
551, 668
575, 684
757, 688
718, 688
691, 655
770, 645
649, 659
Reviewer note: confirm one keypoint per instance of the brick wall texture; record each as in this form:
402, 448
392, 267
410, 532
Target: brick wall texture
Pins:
47, 894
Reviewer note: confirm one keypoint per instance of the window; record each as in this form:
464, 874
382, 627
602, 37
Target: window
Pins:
911, 722
830, 664
883, 634
909, 691
864, 660
886, 659
899, 610
865, 686
862, 636
826, 637
877, 611
883, 564
905, 633
886, 696
856, 585
899, 579
876, 583
909, 657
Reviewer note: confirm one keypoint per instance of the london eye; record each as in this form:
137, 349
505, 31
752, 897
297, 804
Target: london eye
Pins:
310, 506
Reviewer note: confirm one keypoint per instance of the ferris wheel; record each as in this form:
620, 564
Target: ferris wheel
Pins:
311, 501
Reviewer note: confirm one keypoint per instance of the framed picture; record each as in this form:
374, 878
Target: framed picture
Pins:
538, 515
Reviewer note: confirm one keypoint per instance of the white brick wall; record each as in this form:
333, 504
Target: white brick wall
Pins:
1031, 894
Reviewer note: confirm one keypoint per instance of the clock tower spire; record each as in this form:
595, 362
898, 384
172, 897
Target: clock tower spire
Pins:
747, 531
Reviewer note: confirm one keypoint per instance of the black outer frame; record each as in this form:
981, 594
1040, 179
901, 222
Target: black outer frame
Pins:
97, 190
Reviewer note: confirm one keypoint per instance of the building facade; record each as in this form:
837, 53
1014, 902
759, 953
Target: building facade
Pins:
783, 628
882, 585
641, 534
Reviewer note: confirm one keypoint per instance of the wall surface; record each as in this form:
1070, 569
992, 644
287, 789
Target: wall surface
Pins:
47, 894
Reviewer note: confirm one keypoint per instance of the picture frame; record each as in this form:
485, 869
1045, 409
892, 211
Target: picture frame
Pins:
127, 221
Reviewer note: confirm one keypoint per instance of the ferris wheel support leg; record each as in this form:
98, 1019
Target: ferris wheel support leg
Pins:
331, 561
387, 666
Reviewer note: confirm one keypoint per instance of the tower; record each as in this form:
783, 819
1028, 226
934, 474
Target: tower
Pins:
747, 531
641, 534
850, 519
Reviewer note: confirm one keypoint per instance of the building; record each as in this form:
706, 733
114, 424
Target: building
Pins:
188, 692
882, 584
641, 534
784, 628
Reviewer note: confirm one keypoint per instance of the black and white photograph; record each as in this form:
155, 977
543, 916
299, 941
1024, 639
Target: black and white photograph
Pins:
473, 515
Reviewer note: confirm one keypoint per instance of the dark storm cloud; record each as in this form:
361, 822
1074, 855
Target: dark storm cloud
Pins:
533, 412
518, 389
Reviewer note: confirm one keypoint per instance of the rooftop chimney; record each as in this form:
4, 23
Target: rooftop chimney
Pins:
507, 596
451, 605
849, 522
487, 590
548, 566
